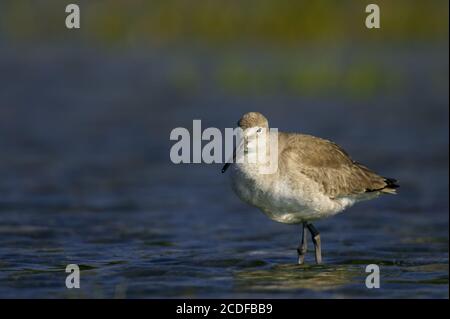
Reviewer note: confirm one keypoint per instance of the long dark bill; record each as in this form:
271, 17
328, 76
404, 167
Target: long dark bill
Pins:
228, 163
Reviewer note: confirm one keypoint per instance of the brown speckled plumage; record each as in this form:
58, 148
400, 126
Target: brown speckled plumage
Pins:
329, 165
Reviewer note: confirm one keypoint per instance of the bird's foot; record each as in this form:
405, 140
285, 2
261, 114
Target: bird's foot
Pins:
318, 249
316, 240
301, 255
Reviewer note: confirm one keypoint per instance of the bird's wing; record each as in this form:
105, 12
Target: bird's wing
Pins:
327, 164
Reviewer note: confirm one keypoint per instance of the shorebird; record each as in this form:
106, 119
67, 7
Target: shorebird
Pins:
315, 178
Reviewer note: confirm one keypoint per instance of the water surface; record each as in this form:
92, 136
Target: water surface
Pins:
85, 178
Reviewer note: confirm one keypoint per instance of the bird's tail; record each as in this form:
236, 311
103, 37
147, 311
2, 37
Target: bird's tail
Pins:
391, 186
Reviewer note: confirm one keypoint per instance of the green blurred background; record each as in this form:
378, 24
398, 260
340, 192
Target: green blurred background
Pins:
217, 23
227, 28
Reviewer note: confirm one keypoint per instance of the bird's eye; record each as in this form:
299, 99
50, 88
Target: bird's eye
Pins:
259, 130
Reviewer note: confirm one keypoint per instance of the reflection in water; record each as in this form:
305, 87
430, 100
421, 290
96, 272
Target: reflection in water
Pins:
290, 276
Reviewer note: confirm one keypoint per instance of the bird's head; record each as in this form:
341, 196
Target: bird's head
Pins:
254, 125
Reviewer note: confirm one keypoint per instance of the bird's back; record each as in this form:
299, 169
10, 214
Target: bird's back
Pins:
328, 165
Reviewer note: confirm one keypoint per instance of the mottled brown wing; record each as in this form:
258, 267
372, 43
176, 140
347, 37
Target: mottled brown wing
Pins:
329, 165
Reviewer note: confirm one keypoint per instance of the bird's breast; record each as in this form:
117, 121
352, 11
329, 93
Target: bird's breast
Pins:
279, 198
268, 192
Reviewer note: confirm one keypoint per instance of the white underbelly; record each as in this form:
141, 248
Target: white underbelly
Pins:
282, 202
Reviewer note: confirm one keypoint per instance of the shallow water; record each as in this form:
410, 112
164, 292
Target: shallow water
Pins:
85, 178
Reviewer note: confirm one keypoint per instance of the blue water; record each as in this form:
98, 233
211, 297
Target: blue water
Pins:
85, 177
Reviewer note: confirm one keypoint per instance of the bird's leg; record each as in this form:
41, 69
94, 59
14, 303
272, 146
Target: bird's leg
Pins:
303, 247
316, 240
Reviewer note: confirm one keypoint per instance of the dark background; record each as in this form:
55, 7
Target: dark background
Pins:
85, 118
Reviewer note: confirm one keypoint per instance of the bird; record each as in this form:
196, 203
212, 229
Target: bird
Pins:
314, 178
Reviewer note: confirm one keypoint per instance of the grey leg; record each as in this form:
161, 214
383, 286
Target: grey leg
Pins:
303, 246
316, 240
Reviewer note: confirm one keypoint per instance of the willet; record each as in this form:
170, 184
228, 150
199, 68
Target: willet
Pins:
315, 178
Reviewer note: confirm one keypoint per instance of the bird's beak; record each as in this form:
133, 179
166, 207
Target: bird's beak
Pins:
228, 163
